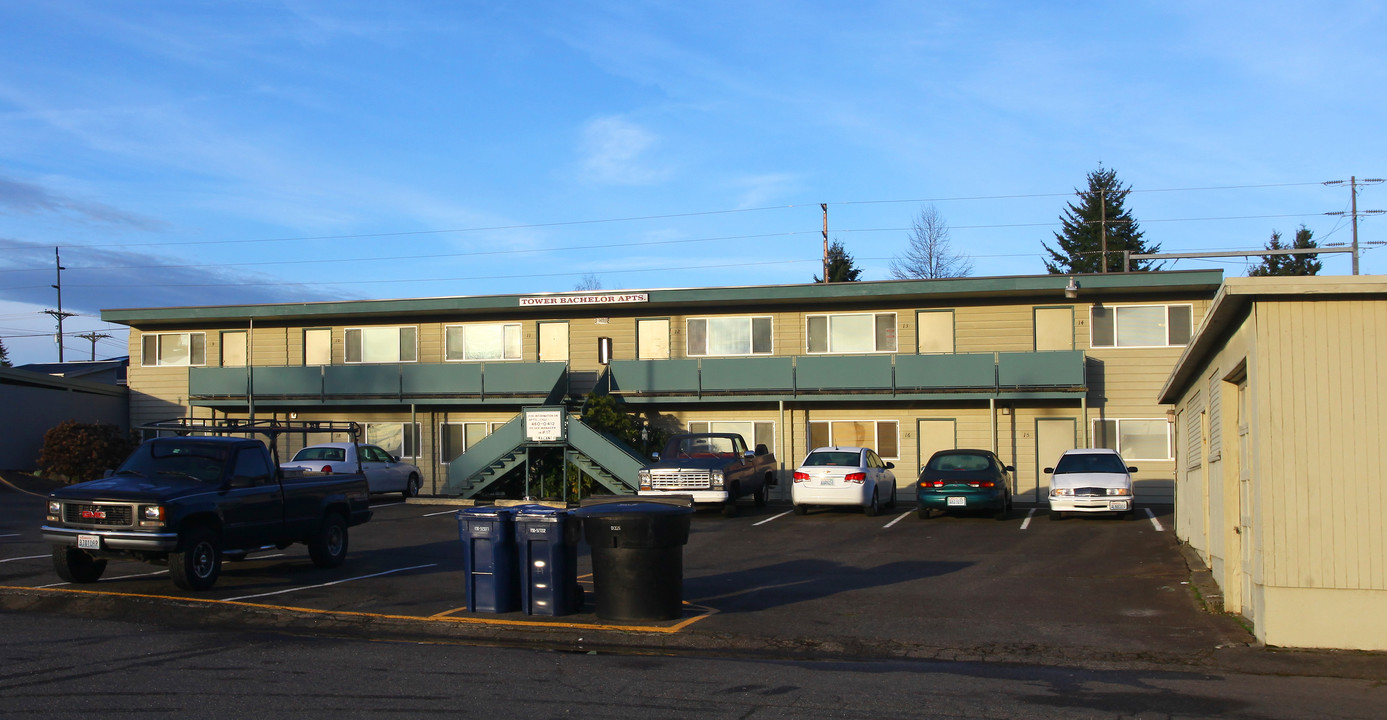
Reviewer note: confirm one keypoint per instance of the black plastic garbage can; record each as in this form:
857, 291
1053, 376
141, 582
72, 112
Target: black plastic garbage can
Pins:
488, 559
637, 557
546, 540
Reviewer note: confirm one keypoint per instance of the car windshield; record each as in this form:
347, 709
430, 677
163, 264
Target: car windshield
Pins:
834, 459
692, 447
203, 462
330, 454
958, 463
1090, 463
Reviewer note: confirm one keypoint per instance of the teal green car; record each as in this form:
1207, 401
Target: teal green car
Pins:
964, 480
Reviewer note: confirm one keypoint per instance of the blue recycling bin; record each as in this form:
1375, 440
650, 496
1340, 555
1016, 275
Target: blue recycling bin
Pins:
637, 555
488, 559
546, 541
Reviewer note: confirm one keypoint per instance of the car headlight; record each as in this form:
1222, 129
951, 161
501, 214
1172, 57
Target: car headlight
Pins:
1062, 492
1119, 491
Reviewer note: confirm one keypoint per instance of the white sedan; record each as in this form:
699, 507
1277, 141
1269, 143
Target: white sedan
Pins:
384, 472
853, 476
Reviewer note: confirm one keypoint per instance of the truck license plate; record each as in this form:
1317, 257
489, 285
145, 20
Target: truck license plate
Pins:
957, 501
89, 542
1117, 505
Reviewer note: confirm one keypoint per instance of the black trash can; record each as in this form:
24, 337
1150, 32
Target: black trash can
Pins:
547, 543
488, 559
637, 557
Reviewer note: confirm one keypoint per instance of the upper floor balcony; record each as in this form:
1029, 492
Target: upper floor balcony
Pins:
387, 383
838, 377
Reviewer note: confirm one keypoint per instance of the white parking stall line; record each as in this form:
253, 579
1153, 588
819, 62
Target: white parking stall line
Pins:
902, 516
26, 557
1027, 522
773, 517
1154, 521
401, 502
10, 535
445, 512
334, 582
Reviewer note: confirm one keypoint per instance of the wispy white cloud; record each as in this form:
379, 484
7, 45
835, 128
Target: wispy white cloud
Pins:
616, 151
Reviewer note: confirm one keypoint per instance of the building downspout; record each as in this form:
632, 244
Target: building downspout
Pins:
992, 426
780, 456
250, 370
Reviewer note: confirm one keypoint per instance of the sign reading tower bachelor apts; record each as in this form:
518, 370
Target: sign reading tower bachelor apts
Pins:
611, 299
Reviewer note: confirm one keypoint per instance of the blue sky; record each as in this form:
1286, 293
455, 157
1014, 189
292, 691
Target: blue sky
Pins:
199, 153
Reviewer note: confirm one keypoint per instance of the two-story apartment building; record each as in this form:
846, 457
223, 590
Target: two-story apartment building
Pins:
1027, 366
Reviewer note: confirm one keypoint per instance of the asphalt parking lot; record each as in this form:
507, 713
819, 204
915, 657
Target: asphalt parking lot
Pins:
831, 582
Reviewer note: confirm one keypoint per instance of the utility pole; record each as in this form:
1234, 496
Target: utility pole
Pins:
93, 337
1353, 209
825, 208
59, 314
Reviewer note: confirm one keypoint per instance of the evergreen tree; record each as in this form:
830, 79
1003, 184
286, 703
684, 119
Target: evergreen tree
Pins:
1081, 243
840, 265
1306, 264
4, 356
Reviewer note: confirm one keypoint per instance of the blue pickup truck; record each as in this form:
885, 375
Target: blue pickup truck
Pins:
190, 501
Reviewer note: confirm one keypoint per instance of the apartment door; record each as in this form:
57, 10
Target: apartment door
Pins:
1052, 437
936, 435
553, 342
1246, 541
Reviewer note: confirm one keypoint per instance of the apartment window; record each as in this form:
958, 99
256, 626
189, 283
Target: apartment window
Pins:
754, 433
456, 437
493, 341
382, 344
652, 339
234, 348
934, 331
392, 438
1134, 438
317, 346
173, 349
883, 436
851, 333
1141, 325
730, 336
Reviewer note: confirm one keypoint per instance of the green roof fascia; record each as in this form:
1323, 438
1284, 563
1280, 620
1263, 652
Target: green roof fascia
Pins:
1045, 286
860, 398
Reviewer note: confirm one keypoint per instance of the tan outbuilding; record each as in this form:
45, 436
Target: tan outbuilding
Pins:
1280, 401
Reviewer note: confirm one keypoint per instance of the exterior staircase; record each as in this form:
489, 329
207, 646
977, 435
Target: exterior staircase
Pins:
608, 461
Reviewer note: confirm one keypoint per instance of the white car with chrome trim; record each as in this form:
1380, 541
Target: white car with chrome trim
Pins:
1091, 480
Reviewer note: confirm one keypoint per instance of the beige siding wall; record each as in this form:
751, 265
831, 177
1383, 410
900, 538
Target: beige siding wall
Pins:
1322, 452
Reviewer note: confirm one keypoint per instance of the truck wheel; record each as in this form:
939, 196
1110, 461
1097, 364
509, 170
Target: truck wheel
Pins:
198, 562
328, 546
874, 506
411, 487
759, 497
76, 566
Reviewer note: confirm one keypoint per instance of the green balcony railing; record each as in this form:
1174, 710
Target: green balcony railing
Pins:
834, 375
402, 382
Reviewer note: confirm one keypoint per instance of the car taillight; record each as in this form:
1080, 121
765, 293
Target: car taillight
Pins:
858, 478
801, 477
931, 483
981, 484
327, 469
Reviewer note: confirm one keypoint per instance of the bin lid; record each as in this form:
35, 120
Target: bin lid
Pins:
632, 507
488, 511
539, 513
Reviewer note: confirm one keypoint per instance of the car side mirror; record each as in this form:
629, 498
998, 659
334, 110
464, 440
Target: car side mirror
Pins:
1010, 468
890, 466
1131, 468
242, 481
394, 458
1049, 471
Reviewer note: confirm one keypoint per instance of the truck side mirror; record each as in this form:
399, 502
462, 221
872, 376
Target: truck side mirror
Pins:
750, 455
654, 456
107, 472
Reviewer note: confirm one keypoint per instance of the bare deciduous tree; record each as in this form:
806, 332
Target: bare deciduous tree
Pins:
930, 254
588, 283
